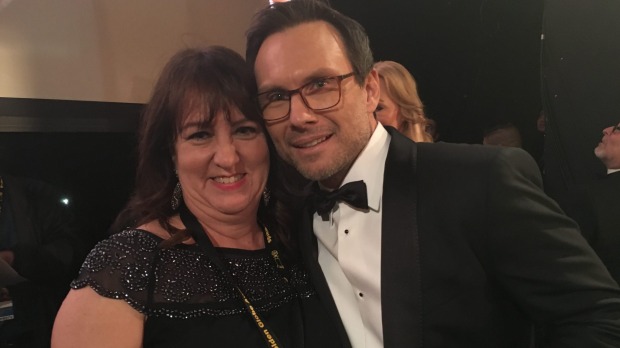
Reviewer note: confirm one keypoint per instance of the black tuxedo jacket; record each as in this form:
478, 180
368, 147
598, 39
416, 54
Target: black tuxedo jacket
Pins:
597, 210
473, 252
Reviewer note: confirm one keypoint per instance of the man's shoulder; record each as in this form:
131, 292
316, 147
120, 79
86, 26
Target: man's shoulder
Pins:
446, 155
439, 150
604, 186
457, 153
613, 177
472, 160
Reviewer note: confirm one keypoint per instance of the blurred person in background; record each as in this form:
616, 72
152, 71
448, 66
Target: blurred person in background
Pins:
39, 250
597, 206
400, 105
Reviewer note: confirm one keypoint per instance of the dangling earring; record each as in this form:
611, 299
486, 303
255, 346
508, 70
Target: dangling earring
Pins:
266, 196
177, 194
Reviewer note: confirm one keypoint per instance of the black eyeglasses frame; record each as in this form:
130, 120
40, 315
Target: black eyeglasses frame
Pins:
292, 92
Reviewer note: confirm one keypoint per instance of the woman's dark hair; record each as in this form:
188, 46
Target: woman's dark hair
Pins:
212, 80
281, 16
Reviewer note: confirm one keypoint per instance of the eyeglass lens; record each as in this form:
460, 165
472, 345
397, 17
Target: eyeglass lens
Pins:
318, 94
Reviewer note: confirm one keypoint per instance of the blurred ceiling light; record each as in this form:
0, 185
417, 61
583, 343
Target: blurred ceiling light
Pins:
271, 2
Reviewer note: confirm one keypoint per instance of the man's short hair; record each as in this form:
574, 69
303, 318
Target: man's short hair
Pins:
281, 16
505, 134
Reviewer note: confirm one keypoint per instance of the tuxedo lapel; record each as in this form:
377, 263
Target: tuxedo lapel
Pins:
401, 297
309, 253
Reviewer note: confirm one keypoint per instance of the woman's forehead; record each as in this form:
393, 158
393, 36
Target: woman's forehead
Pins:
207, 117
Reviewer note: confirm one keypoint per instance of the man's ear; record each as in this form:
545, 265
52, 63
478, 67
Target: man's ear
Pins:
373, 91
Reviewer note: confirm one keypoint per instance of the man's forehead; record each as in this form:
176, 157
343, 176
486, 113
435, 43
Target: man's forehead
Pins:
299, 53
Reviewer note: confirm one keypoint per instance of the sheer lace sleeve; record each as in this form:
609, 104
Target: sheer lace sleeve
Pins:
120, 267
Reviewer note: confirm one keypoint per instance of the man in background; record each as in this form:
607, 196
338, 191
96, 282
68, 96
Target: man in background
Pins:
597, 208
503, 135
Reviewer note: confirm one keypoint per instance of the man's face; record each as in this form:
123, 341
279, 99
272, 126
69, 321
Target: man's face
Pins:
608, 150
322, 145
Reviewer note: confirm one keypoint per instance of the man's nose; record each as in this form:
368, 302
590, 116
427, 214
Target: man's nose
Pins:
300, 113
608, 130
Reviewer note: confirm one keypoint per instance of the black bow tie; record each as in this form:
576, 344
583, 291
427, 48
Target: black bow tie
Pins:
353, 193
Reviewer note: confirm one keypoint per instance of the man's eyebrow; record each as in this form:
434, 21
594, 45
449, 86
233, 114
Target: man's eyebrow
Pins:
318, 74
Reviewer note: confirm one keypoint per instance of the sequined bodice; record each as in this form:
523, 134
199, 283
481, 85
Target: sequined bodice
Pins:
185, 282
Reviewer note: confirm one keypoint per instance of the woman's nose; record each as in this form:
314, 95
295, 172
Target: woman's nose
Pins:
226, 154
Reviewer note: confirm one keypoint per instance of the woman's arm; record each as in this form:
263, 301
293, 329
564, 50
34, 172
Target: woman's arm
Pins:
87, 319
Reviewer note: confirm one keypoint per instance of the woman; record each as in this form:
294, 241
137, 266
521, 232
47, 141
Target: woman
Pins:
204, 262
399, 103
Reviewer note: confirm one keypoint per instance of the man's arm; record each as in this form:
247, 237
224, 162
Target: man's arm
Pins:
541, 258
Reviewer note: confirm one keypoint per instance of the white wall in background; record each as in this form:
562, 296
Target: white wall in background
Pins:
107, 50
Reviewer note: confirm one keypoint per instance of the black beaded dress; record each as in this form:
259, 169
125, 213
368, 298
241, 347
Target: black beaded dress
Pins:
189, 302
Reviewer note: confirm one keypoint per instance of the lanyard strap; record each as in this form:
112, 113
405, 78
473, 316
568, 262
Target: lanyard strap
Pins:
200, 236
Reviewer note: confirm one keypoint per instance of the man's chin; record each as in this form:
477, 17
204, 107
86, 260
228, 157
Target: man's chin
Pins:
311, 173
313, 170
599, 152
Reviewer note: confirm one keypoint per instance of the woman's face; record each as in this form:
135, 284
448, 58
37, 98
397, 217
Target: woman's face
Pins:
222, 167
387, 111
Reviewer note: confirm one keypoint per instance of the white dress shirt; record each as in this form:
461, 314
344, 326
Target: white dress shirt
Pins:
349, 244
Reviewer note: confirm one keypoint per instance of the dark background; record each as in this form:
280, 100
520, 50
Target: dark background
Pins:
581, 88
86, 149
483, 62
477, 63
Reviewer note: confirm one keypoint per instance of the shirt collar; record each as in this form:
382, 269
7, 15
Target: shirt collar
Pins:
370, 164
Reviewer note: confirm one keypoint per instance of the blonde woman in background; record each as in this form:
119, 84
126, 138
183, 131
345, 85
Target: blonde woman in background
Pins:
399, 105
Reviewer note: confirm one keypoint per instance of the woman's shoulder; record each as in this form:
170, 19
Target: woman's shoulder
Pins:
124, 246
146, 237
121, 266
182, 281
130, 240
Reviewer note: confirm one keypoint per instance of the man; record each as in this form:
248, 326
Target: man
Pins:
596, 208
455, 246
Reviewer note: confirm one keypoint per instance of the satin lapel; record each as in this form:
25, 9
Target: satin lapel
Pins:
401, 296
309, 251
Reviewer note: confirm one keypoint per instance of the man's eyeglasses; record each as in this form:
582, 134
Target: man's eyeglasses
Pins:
615, 129
319, 94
